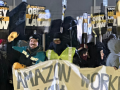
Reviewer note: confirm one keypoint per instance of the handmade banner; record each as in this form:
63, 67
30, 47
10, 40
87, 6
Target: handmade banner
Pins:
37, 18
62, 75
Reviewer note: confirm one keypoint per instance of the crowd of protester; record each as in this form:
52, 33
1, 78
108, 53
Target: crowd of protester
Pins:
24, 54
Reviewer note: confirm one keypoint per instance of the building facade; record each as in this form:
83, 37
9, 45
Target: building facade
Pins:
74, 7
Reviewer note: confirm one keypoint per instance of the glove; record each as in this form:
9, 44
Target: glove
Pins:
12, 36
17, 65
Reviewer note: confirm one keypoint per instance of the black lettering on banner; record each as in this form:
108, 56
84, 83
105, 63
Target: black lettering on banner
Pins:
19, 80
55, 87
59, 70
64, 73
50, 70
27, 77
38, 75
119, 83
87, 80
111, 82
104, 82
92, 81
58, 88
63, 87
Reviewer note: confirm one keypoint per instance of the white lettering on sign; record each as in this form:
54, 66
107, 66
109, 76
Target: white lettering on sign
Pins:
35, 22
98, 21
98, 18
102, 24
4, 12
37, 16
4, 20
111, 8
4, 24
33, 11
27, 22
30, 11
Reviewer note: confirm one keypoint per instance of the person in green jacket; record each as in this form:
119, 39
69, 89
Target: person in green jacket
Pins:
29, 55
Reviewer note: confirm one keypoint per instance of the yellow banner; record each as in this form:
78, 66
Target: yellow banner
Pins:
62, 75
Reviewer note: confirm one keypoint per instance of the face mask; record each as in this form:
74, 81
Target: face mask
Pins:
84, 57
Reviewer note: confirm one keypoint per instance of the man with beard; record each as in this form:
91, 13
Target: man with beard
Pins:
57, 45
29, 55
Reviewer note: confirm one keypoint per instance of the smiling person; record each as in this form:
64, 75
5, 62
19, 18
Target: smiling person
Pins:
30, 54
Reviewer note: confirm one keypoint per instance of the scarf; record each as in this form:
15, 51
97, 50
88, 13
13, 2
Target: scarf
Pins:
84, 57
34, 51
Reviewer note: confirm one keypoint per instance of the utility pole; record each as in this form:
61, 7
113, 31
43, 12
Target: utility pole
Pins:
93, 11
94, 5
13, 4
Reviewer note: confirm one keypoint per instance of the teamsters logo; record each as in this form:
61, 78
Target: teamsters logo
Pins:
4, 18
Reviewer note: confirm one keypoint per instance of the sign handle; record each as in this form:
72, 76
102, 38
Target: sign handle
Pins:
43, 41
100, 36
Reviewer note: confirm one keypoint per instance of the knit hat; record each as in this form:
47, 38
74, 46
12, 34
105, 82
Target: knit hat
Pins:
35, 36
57, 36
